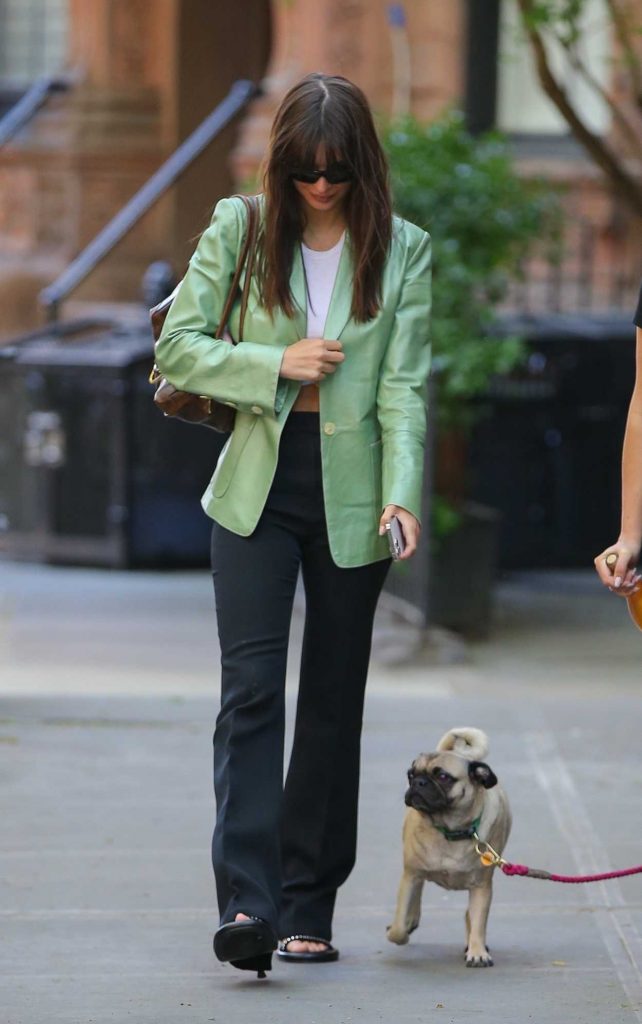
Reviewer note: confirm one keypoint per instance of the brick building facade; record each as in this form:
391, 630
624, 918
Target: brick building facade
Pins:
145, 72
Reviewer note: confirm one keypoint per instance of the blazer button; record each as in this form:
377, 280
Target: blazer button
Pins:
257, 410
329, 429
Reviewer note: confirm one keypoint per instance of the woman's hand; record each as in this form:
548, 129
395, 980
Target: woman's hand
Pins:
409, 525
621, 578
311, 359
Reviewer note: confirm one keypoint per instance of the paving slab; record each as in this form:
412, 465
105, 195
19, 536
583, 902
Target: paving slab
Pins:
108, 692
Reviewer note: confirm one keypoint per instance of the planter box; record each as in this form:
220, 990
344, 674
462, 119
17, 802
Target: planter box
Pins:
464, 564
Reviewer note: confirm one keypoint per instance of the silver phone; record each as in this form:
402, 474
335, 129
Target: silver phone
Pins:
396, 539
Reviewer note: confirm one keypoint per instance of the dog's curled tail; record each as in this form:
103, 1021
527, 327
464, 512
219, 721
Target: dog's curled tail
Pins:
470, 743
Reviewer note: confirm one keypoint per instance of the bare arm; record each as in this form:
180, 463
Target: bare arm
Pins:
631, 531
623, 576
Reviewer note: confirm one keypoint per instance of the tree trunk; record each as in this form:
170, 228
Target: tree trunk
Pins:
624, 184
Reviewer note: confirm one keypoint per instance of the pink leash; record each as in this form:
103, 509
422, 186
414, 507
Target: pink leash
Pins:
521, 869
490, 858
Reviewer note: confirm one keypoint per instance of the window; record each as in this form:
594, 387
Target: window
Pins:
522, 105
33, 40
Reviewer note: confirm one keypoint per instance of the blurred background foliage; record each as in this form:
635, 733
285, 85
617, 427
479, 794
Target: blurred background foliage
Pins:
484, 220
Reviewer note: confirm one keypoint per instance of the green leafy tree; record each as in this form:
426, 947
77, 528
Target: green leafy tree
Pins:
484, 219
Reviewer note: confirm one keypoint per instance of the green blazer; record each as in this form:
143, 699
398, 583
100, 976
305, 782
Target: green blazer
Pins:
372, 408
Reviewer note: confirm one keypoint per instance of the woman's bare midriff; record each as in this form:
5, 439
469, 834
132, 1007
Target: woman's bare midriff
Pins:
308, 399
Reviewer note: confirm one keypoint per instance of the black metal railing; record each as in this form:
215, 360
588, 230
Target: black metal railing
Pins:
238, 97
594, 269
30, 103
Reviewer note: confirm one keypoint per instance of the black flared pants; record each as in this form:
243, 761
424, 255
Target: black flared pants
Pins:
281, 852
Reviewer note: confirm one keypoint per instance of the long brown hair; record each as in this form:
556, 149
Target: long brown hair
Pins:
325, 110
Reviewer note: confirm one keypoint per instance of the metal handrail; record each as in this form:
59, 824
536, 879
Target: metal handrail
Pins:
239, 95
65, 329
30, 103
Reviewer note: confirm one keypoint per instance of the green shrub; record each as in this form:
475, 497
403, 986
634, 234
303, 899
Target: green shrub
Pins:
484, 219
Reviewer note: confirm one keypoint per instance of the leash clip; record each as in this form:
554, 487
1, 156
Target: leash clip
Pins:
488, 856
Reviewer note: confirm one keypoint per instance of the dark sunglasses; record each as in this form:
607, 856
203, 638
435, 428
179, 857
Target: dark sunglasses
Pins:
335, 174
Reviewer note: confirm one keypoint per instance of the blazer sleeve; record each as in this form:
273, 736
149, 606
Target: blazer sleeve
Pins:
245, 376
401, 392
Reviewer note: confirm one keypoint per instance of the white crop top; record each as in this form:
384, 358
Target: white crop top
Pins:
320, 272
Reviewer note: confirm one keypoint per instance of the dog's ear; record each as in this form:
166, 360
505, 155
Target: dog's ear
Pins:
479, 771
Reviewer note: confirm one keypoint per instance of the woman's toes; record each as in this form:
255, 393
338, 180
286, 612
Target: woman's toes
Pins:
297, 946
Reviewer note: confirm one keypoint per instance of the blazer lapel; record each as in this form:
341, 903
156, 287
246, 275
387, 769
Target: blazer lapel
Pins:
341, 299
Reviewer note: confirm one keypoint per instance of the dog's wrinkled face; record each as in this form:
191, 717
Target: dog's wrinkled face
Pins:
445, 781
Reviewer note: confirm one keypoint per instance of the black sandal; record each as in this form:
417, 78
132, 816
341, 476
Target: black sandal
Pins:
247, 945
320, 957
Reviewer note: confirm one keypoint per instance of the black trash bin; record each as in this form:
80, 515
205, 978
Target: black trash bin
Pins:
546, 450
90, 472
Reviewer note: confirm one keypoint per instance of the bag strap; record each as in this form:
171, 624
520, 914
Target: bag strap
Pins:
248, 253
253, 231
247, 257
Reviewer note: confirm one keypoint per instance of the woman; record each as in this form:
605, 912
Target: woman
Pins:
622, 578
327, 447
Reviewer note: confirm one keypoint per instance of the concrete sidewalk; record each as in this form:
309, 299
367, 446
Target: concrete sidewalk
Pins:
109, 684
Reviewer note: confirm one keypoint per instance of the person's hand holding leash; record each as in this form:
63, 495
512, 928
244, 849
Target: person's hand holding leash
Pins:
616, 567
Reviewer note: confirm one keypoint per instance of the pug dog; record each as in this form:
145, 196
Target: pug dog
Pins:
451, 794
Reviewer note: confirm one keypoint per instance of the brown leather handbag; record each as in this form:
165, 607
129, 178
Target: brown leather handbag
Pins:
208, 412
